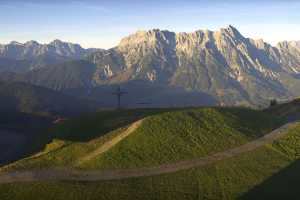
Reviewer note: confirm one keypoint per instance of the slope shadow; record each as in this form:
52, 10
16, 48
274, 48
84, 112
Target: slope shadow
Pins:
17, 133
283, 185
142, 94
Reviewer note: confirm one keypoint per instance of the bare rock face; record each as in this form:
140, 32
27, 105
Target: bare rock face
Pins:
290, 56
149, 54
222, 63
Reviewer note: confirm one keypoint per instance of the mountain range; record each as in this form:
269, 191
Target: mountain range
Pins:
38, 55
223, 65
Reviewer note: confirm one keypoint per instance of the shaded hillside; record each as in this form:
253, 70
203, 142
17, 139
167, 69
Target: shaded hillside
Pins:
11, 65
17, 133
289, 110
22, 122
67, 75
33, 99
282, 185
76, 78
142, 94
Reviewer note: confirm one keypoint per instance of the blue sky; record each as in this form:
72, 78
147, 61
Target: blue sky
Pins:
98, 23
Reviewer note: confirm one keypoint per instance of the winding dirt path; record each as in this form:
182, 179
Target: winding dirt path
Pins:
97, 175
108, 145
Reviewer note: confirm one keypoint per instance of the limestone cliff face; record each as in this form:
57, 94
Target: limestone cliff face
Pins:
222, 63
150, 54
226, 64
290, 56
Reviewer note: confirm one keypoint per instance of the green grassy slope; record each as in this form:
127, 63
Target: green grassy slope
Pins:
228, 179
185, 134
164, 136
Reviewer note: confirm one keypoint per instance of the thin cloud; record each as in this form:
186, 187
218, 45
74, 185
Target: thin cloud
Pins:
93, 6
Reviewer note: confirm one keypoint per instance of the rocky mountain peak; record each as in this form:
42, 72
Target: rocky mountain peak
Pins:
32, 43
290, 44
295, 44
56, 42
259, 43
232, 29
59, 43
231, 32
149, 38
283, 45
15, 43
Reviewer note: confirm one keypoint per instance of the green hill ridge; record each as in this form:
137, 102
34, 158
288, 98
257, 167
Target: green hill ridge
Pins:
196, 132
164, 136
229, 179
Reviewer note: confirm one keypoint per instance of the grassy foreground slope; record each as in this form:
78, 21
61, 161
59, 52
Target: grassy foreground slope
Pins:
164, 136
74, 138
227, 179
185, 134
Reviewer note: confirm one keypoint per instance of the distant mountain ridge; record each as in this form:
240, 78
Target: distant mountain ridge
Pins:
223, 64
33, 49
41, 55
